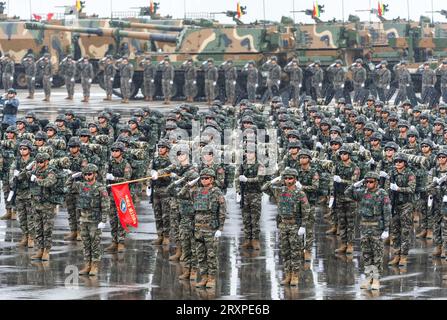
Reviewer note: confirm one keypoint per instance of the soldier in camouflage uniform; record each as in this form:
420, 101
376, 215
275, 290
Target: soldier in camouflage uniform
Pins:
8, 153
374, 210
21, 185
345, 172
210, 210
7, 67
190, 72
85, 69
45, 69
404, 79
274, 76
402, 188
94, 206
43, 180
77, 161
167, 79
230, 81
316, 80
296, 80
29, 64
40, 142
126, 75
293, 212
428, 81
149, 73
383, 81
249, 179
211, 75
339, 77
119, 170
109, 76
252, 80
160, 198
359, 78
67, 69
442, 71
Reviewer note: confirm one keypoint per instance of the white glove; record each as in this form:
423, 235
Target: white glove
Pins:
381, 131
218, 234
384, 235
238, 198
394, 187
331, 202
111, 79
173, 175
33, 178
301, 231
194, 82
320, 84
298, 185
29, 166
51, 79
89, 80
33, 79
193, 182
276, 180
383, 174
130, 80
278, 82
154, 175
76, 175
442, 179
362, 149
358, 183
370, 161
177, 182
148, 191
435, 180
110, 176
68, 171
343, 86
16, 173
337, 179
408, 84
300, 85
72, 79
214, 83
10, 195
243, 178
444, 198
256, 85
363, 85
318, 145
388, 87
234, 83
101, 225
314, 138
338, 120
430, 201
308, 129
171, 82
11, 78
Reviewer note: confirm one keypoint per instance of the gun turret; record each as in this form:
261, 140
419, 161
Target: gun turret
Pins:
137, 25
233, 14
310, 12
442, 12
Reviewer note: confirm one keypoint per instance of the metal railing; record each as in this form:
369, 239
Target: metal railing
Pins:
200, 15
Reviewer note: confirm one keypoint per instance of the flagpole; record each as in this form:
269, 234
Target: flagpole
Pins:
138, 180
30, 11
370, 11
293, 10
343, 10
408, 8
111, 9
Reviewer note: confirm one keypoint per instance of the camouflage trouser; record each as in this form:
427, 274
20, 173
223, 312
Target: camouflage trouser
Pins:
167, 88
109, 85
382, 92
85, 87
70, 85
357, 92
338, 91
125, 88
444, 92
44, 213
230, 90
401, 227
174, 219
206, 250
421, 206
251, 91
148, 87
310, 229
91, 240
73, 213
6, 188
296, 90
117, 230
371, 246
46, 83
186, 231
31, 84
251, 214
291, 246
190, 88
7, 81
444, 225
210, 89
161, 206
317, 90
26, 215
345, 212
437, 218
401, 94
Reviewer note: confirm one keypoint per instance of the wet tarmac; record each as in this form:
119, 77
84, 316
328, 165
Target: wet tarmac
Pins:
144, 272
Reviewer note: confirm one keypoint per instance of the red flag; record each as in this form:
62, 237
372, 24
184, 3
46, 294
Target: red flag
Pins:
50, 16
37, 17
151, 7
124, 206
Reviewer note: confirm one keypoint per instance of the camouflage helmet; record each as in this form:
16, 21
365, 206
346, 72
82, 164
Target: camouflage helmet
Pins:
134, 120
325, 121
305, 152
442, 152
207, 172
125, 128
12, 90
123, 139
345, 149
384, 62
407, 103
391, 145
93, 124
164, 143
370, 126
401, 157
349, 106
74, 142
427, 142
191, 175
26, 143
85, 132
51, 126
403, 123
393, 116
104, 115
317, 62
289, 172
118, 145
22, 120
359, 60
60, 117
376, 136
69, 111
372, 175
138, 113
341, 100
11, 129
42, 156
41, 135
360, 119
338, 61
276, 99
413, 132
90, 168
335, 129
442, 106
247, 119
30, 114
294, 144
293, 133
378, 103
337, 140
274, 58
371, 98
439, 121
171, 126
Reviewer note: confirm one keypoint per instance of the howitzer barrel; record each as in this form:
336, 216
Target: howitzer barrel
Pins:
138, 25
105, 32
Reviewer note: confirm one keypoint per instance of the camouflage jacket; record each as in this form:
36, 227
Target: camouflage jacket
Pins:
86, 70
310, 181
338, 75
295, 73
149, 70
317, 75
384, 78
109, 71
8, 67
255, 174
30, 67
94, 203
349, 174
219, 171
41, 188
403, 76
252, 76
429, 77
288, 161
230, 73
46, 148
122, 170
443, 73
8, 153
159, 163
126, 71
167, 72
21, 182
44, 68
406, 181
68, 69
59, 146
358, 75
438, 191
190, 73
211, 73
